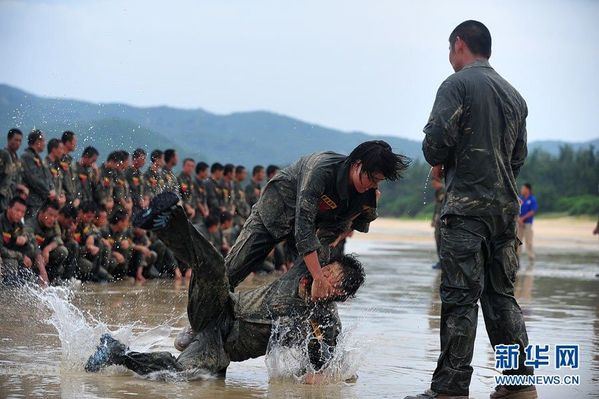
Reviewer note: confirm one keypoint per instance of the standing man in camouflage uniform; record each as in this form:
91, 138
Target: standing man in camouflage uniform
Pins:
202, 210
170, 180
214, 190
187, 187
86, 178
20, 255
254, 187
476, 139
36, 174
227, 185
135, 180
104, 192
11, 169
121, 194
69, 181
242, 209
53, 162
153, 181
325, 192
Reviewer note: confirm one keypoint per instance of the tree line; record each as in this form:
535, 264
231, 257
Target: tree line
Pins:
566, 183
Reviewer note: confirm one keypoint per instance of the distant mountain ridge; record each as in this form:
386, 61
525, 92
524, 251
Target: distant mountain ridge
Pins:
247, 138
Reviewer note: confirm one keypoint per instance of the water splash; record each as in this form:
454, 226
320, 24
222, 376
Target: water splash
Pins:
292, 364
80, 332
424, 192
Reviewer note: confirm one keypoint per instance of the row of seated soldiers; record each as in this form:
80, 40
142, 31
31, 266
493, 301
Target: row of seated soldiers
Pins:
65, 219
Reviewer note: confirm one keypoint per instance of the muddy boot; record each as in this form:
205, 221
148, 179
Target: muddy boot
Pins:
158, 214
106, 353
184, 338
502, 392
430, 394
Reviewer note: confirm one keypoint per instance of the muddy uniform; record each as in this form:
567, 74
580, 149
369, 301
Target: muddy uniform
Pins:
242, 208
439, 198
477, 131
312, 194
214, 196
135, 181
187, 189
86, 180
57, 175
252, 193
236, 327
69, 178
105, 187
153, 182
13, 269
11, 174
37, 178
45, 236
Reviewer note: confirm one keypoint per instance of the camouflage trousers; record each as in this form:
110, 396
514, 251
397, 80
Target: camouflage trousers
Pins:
208, 308
478, 262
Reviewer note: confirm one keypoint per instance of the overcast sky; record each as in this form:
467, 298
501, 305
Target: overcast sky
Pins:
365, 65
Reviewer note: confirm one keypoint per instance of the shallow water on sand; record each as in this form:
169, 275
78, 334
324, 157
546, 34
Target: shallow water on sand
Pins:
394, 323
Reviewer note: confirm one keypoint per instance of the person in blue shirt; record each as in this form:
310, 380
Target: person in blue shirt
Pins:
528, 209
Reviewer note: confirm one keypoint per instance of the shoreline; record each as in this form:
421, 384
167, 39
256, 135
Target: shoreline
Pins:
551, 235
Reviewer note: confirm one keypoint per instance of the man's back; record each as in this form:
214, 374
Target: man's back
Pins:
483, 118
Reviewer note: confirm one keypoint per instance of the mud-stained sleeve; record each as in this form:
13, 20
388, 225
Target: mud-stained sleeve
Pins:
310, 188
323, 339
443, 124
520, 148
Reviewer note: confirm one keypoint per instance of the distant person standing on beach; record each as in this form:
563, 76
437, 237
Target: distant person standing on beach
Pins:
476, 140
528, 209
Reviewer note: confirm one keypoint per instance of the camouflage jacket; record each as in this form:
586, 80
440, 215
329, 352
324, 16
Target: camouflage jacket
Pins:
314, 194
10, 231
105, 187
86, 180
11, 172
214, 196
153, 182
477, 131
57, 175
242, 208
37, 177
42, 235
136, 185
252, 193
187, 189
69, 178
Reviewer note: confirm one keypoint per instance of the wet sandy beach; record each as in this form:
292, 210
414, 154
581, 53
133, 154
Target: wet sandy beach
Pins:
393, 325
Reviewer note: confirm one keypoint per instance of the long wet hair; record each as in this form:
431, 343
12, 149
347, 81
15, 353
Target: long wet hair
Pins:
377, 156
